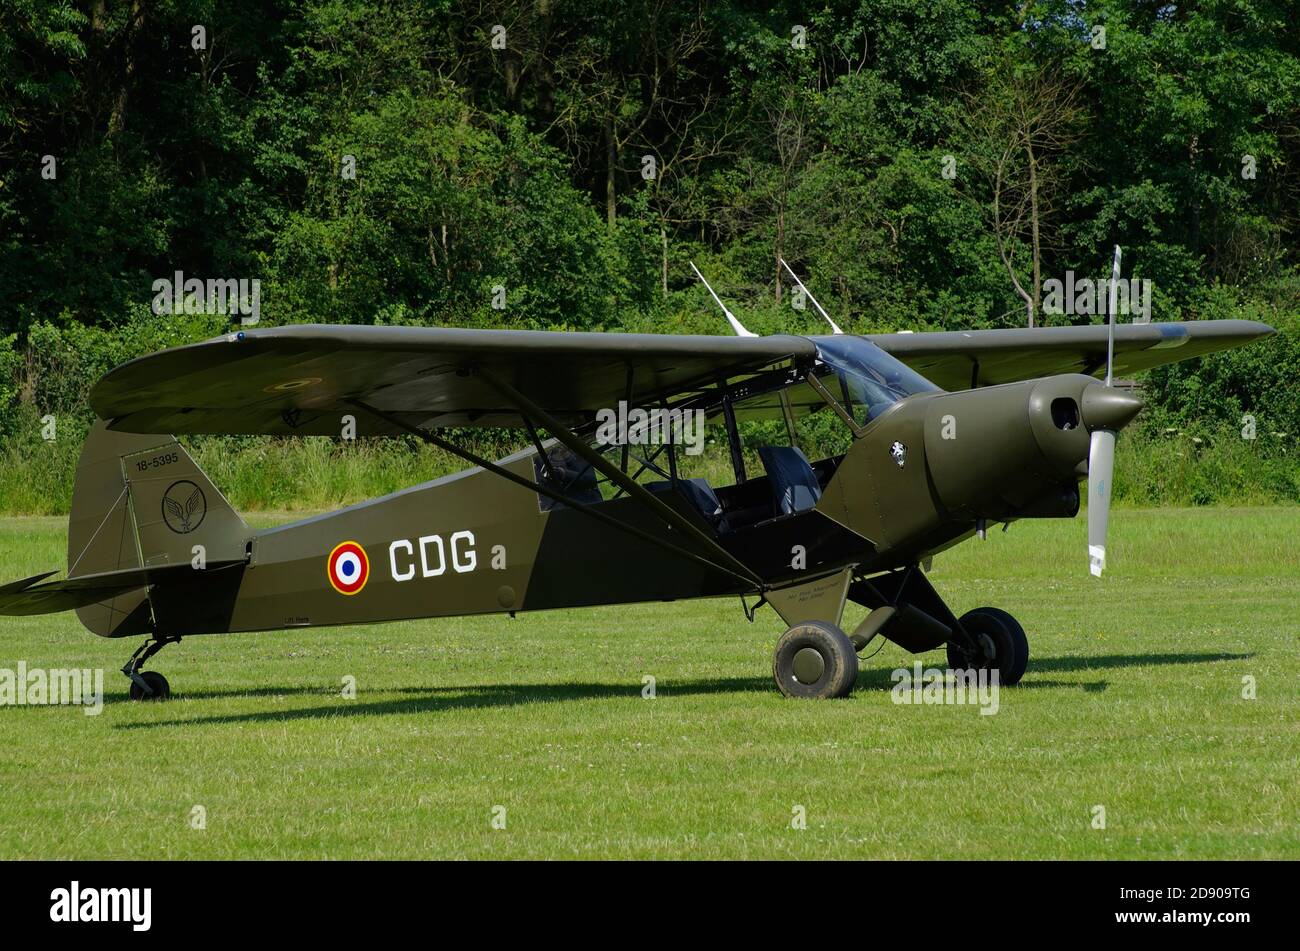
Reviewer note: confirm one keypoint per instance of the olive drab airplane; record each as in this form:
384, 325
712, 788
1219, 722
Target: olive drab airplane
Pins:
946, 434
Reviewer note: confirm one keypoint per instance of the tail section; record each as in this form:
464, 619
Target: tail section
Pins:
141, 502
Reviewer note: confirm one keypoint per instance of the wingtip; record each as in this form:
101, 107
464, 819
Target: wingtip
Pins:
1252, 329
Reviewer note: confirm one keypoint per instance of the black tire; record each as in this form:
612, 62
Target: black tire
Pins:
995, 628
838, 670
157, 683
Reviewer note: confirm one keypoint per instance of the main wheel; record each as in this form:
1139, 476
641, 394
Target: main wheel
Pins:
157, 683
815, 659
1002, 645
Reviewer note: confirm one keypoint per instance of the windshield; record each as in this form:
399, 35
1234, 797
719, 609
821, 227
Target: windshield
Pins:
869, 380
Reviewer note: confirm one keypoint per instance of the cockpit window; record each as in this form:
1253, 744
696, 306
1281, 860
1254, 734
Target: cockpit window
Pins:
864, 378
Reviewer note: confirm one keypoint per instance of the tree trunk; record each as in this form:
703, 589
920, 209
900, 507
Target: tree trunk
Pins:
117, 117
1037, 289
545, 81
663, 246
514, 68
780, 248
611, 157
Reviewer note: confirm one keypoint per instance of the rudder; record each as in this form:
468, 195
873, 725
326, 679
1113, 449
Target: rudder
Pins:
142, 501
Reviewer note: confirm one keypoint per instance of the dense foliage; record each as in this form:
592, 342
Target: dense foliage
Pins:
925, 164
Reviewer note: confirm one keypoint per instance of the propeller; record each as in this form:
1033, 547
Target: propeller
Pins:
1101, 468
1101, 448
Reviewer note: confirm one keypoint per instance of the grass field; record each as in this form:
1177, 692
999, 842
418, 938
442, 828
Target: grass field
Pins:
1133, 701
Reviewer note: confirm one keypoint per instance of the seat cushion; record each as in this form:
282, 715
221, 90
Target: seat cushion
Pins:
794, 483
574, 478
700, 494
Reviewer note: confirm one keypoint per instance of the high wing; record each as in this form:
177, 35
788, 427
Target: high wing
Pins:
302, 379
956, 359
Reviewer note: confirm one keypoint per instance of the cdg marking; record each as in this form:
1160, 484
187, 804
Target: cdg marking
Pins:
432, 555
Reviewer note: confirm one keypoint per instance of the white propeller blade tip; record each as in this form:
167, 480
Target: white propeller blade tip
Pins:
1096, 559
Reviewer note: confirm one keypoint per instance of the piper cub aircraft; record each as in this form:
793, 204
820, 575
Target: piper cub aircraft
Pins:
946, 433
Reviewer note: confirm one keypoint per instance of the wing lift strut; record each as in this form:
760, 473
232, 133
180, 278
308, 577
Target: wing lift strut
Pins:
717, 558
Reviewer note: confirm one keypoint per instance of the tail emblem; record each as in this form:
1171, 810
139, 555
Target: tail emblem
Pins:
348, 568
184, 507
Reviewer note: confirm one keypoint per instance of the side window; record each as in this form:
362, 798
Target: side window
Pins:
793, 425
565, 473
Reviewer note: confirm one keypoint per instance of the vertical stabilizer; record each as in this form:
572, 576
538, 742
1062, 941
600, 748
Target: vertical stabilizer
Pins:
141, 501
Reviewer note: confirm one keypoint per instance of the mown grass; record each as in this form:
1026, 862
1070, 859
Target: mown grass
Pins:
1133, 701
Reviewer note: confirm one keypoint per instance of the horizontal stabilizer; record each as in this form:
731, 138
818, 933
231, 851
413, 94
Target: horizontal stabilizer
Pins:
27, 597
14, 586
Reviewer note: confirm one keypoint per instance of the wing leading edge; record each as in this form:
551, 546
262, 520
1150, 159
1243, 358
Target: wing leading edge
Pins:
301, 379
956, 359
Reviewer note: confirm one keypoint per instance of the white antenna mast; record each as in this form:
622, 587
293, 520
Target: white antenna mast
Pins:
820, 309
736, 325
1110, 324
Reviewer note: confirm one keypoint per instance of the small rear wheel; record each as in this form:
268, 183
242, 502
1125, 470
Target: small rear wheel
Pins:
1000, 645
815, 660
157, 684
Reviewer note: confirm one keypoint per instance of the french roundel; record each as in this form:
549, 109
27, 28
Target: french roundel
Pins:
348, 568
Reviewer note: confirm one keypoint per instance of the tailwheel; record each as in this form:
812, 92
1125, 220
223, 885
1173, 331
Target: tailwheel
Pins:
1000, 644
157, 684
815, 659
148, 684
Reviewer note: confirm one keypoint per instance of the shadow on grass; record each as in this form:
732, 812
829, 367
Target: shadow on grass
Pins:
1091, 686
1068, 664
882, 680
316, 691
434, 699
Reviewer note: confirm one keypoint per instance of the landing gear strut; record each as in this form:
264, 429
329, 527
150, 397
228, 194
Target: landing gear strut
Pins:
148, 684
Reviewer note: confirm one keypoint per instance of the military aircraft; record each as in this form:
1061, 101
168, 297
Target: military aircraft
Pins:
946, 433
